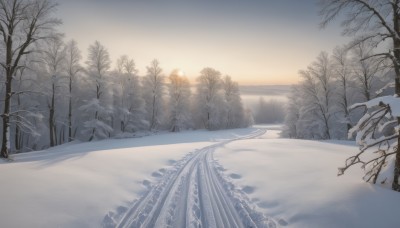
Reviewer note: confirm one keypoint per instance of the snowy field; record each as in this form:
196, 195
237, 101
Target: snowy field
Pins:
296, 180
282, 182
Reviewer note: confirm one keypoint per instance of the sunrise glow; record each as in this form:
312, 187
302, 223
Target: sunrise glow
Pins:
255, 42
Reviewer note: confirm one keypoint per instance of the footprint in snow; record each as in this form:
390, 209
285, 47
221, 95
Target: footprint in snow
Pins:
171, 162
235, 176
283, 222
156, 174
248, 189
146, 183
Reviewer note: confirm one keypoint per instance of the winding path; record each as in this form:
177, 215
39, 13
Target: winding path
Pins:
194, 193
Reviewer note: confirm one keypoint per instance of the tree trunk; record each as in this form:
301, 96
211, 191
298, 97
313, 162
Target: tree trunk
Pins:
62, 134
94, 129
51, 120
396, 184
152, 124
396, 50
346, 105
208, 121
18, 135
70, 111
96, 114
5, 146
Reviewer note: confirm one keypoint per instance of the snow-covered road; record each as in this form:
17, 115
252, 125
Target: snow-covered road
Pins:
194, 193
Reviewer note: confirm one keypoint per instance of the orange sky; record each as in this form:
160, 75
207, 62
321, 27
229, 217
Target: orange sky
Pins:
257, 42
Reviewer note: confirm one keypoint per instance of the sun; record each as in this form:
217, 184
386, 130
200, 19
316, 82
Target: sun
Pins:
180, 72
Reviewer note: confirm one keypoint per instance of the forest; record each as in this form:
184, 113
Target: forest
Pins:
353, 92
51, 94
319, 107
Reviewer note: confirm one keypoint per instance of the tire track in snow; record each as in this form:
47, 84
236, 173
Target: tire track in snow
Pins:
194, 193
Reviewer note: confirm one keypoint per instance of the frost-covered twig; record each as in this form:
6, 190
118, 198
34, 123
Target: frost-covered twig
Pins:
373, 131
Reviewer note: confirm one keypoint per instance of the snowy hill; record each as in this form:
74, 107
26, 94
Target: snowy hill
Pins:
287, 183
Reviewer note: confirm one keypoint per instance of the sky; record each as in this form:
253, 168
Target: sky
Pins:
254, 41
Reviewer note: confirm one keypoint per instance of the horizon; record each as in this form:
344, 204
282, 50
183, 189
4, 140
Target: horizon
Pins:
246, 115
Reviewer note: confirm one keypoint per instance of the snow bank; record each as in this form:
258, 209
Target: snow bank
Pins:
296, 181
392, 101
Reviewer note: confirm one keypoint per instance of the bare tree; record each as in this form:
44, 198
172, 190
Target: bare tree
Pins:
292, 117
53, 57
128, 103
73, 67
317, 93
22, 23
126, 65
153, 86
209, 97
378, 134
320, 70
98, 66
179, 92
341, 69
234, 111
373, 21
365, 70
24, 113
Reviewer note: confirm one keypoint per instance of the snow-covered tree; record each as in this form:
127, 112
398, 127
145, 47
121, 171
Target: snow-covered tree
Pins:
128, 101
321, 102
375, 22
97, 125
365, 70
179, 102
234, 112
248, 117
316, 113
22, 24
153, 91
377, 135
292, 117
208, 99
27, 119
50, 99
341, 70
137, 110
72, 68
53, 58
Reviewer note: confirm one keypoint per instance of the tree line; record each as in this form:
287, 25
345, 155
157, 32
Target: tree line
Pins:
50, 97
356, 89
318, 107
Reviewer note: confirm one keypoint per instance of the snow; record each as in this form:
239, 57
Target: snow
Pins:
192, 194
293, 183
76, 185
392, 101
296, 181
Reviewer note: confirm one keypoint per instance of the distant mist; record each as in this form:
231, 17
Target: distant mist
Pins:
265, 90
272, 95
